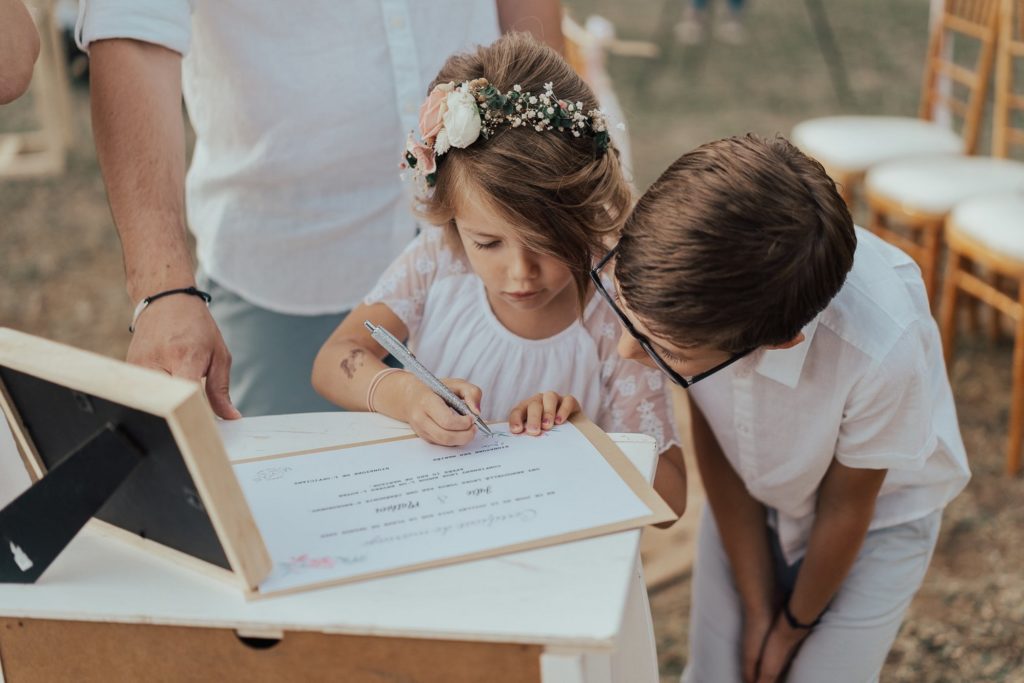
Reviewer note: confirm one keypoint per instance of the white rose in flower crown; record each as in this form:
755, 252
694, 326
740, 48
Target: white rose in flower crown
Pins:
462, 119
441, 144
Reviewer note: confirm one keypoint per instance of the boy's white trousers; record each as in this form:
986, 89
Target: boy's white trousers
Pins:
856, 632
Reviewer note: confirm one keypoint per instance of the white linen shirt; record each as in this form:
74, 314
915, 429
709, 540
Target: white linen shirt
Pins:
301, 112
867, 386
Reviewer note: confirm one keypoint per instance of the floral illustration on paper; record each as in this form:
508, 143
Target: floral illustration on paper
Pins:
271, 473
305, 562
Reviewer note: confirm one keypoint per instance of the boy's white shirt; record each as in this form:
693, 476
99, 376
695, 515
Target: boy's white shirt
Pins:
294, 193
867, 386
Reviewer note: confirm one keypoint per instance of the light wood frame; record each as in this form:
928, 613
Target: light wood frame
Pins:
659, 510
967, 253
191, 422
966, 19
964, 252
981, 20
970, 19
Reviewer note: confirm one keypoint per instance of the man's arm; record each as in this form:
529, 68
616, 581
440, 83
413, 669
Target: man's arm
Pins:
19, 48
541, 18
140, 144
744, 531
846, 505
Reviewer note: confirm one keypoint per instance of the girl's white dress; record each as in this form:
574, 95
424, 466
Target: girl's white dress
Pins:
454, 332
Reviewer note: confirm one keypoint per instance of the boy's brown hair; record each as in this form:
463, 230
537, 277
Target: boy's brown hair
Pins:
565, 195
739, 244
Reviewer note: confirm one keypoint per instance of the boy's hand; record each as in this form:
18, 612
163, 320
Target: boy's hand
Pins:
541, 412
428, 414
782, 643
756, 627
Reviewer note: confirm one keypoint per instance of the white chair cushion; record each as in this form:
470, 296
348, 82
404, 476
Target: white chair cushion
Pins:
937, 184
997, 221
855, 143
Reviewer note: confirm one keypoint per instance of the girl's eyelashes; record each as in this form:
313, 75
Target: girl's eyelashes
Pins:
665, 353
486, 245
672, 357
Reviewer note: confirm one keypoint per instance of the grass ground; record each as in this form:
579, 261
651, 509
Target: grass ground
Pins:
61, 277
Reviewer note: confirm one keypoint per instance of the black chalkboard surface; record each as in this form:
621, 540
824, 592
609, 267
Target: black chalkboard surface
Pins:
158, 500
135, 448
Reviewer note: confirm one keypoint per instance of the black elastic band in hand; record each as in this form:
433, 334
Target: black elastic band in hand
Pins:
184, 290
192, 291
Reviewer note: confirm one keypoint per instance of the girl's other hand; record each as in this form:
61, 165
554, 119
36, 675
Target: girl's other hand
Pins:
432, 419
541, 412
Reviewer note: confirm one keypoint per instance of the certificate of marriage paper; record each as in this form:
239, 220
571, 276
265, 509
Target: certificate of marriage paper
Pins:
364, 510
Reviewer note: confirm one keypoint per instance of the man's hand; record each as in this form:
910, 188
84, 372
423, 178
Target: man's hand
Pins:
780, 646
177, 334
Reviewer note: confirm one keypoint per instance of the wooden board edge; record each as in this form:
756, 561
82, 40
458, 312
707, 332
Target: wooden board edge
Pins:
113, 380
633, 525
637, 482
595, 645
26, 447
194, 428
322, 449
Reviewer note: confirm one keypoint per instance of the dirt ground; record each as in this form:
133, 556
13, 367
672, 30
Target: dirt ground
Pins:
61, 277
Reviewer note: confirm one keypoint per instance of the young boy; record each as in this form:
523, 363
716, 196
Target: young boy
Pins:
824, 424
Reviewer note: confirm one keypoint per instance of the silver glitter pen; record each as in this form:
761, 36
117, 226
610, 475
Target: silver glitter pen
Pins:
409, 361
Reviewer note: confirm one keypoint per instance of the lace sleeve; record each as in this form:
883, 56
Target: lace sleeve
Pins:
637, 399
403, 287
634, 397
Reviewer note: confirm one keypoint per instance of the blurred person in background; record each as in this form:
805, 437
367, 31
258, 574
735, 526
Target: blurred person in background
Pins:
697, 18
19, 48
293, 194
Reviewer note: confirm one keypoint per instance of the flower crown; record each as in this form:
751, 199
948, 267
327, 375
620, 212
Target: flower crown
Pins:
457, 115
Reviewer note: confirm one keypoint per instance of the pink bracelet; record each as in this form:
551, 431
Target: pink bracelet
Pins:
374, 383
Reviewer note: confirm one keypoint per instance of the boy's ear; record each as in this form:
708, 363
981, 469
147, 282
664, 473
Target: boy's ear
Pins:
790, 344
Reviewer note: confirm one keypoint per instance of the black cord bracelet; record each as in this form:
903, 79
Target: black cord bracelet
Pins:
794, 623
192, 291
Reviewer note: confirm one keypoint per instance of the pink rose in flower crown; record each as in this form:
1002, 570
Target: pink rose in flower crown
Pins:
432, 112
426, 160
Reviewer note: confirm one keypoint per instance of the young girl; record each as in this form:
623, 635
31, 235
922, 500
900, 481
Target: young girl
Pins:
523, 187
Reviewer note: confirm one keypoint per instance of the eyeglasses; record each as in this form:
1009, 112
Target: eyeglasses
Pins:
645, 343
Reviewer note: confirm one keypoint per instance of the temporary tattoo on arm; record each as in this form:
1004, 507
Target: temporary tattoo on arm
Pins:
353, 362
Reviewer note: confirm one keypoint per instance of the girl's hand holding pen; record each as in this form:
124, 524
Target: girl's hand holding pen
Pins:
541, 412
427, 413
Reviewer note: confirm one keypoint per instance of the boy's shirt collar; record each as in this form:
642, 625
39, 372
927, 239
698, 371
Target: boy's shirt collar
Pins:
785, 365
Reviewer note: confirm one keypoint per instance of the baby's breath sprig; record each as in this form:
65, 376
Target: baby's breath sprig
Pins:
543, 112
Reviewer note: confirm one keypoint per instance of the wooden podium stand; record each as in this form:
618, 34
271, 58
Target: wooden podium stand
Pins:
108, 611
